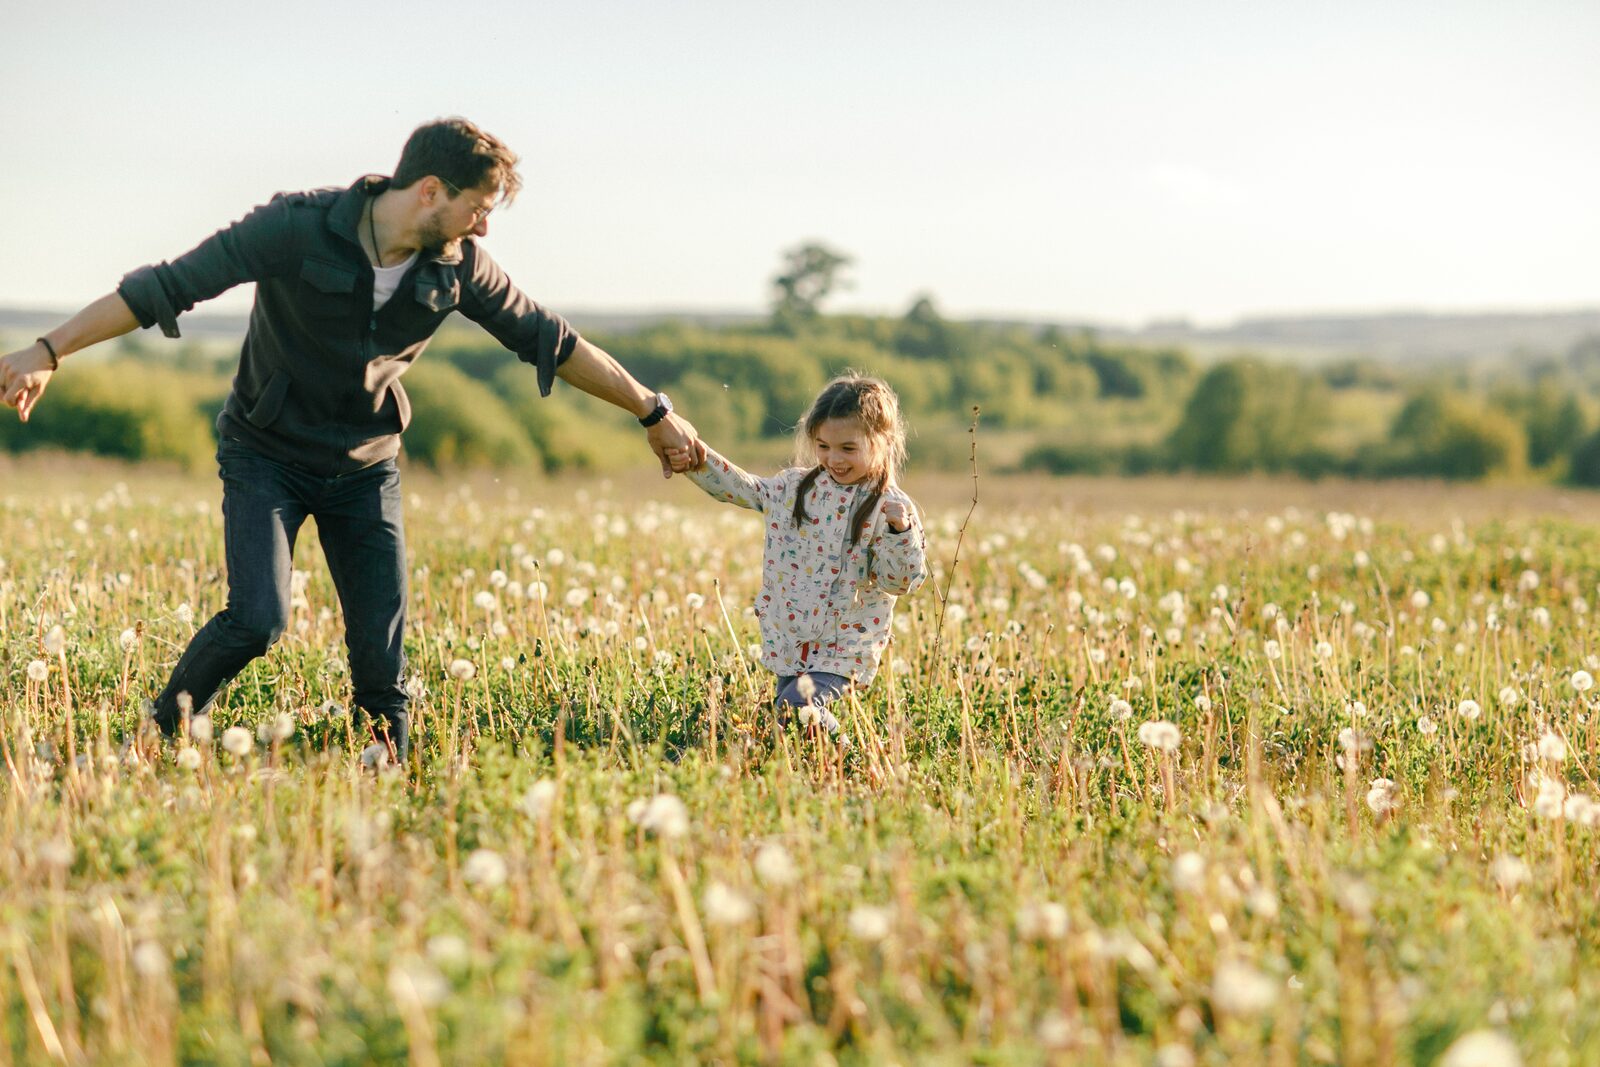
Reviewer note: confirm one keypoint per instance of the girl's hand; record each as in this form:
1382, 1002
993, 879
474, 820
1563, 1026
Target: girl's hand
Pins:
897, 515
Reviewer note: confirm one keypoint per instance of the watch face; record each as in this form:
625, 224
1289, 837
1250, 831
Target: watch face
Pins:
664, 402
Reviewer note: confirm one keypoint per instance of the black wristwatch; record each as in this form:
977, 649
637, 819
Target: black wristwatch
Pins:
663, 405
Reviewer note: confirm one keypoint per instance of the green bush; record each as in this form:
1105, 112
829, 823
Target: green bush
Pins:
1246, 415
1447, 435
456, 421
127, 409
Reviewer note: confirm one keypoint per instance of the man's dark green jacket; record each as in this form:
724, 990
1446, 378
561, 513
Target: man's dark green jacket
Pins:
319, 376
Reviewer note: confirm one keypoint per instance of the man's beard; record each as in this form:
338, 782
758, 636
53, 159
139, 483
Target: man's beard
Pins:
434, 240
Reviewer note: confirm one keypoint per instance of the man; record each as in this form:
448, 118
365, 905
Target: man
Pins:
351, 284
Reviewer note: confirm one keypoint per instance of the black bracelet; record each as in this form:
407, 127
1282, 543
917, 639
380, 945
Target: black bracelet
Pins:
55, 360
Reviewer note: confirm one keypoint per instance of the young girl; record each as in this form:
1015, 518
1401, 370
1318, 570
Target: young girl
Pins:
842, 543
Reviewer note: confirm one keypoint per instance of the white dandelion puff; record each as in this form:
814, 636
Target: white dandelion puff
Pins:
38, 670
1510, 873
1383, 797
726, 906
1482, 1048
870, 923
665, 816
538, 800
1552, 748
1160, 734
1582, 681
1043, 920
463, 670
1238, 988
485, 867
1188, 872
236, 740
149, 960
774, 866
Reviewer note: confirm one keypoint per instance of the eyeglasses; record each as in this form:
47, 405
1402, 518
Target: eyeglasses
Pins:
479, 213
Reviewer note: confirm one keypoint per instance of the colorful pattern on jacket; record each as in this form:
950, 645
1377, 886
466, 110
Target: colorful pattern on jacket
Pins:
825, 604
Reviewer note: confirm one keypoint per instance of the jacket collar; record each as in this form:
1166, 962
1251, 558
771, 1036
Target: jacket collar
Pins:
345, 216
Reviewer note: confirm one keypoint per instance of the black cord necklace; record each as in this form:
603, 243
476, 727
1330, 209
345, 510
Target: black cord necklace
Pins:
372, 229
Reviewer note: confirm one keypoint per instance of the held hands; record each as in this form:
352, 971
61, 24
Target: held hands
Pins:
677, 444
23, 376
897, 515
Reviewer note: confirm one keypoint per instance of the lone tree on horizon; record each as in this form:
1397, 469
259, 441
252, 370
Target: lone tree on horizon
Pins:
810, 272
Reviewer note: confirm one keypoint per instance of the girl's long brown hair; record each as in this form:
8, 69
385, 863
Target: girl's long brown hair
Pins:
876, 409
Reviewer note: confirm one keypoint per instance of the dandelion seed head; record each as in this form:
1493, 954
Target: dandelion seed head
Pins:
1383, 797
38, 670
774, 866
463, 670
1043, 920
236, 740
1121, 710
1188, 872
870, 923
1238, 988
1582, 681
486, 868
1552, 748
1482, 1048
189, 759
1469, 710
1160, 734
663, 815
726, 906
127, 639
149, 960
538, 800
200, 729
415, 981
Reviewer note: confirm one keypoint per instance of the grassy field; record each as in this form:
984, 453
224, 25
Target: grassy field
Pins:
1165, 772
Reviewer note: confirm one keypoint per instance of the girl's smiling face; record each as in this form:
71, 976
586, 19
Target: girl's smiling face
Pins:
843, 450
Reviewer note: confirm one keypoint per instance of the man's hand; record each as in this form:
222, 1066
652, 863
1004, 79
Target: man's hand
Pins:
23, 376
677, 444
897, 515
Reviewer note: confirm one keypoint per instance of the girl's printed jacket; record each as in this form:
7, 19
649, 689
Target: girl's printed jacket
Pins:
825, 604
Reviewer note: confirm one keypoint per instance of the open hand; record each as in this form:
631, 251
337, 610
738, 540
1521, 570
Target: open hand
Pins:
23, 376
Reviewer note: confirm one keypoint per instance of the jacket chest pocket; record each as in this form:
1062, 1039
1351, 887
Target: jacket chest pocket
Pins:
436, 296
327, 290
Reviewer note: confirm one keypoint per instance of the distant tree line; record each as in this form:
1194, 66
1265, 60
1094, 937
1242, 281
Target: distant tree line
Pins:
1052, 399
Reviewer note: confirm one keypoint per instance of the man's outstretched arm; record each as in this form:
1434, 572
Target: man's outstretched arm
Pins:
25, 372
673, 439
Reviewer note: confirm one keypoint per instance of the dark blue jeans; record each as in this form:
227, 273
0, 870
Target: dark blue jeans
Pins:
264, 504
826, 688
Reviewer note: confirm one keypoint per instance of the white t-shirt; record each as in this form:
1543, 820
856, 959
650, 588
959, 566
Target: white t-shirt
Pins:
385, 280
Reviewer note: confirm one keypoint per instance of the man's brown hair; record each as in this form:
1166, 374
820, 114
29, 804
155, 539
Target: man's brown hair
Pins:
460, 154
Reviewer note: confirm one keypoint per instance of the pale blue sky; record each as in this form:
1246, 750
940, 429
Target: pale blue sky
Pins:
1113, 161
